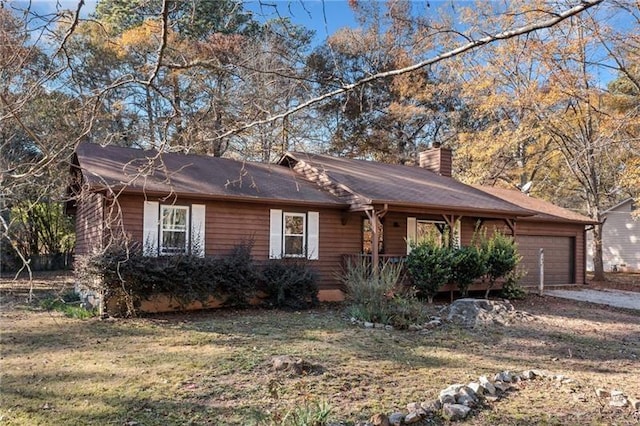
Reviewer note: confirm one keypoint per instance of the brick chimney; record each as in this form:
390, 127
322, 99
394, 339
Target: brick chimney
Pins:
437, 159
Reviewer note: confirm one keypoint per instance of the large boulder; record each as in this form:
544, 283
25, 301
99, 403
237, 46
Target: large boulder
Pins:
471, 313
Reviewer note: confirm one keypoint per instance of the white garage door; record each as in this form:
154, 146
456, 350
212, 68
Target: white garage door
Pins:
559, 259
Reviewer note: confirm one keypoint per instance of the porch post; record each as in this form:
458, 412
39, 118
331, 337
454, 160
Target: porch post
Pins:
451, 222
373, 220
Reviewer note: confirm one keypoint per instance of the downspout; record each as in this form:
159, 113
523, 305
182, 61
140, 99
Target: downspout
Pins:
584, 252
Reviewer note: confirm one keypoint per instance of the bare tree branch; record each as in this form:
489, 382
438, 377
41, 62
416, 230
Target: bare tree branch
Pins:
584, 5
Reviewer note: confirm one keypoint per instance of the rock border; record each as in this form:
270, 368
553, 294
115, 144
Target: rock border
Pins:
458, 401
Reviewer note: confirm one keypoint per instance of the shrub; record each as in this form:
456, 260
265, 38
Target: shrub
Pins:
512, 289
467, 265
429, 266
125, 277
501, 254
289, 284
370, 291
406, 310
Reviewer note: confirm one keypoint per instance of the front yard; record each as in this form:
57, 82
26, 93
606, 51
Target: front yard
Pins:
215, 367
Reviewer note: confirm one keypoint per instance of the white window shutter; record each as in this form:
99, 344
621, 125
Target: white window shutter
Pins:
313, 235
150, 228
198, 234
275, 234
411, 232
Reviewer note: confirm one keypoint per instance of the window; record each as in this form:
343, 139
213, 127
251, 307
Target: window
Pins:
427, 230
420, 230
174, 224
293, 234
171, 229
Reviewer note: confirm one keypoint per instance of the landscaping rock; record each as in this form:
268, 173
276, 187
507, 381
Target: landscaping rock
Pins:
431, 407
634, 403
467, 396
502, 386
293, 365
412, 418
528, 375
471, 313
379, 419
433, 323
368, 324
466, 400
415, 327
287, 363
451, 390
396, 419
618, 399
504, 376
475, 386
447, 399
487, 385
602, 393
454, 412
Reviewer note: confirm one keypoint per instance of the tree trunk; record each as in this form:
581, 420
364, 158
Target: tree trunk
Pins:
598, 267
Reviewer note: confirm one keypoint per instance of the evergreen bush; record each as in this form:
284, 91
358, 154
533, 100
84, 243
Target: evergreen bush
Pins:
430, 267
467, 265
289, 284
501, 256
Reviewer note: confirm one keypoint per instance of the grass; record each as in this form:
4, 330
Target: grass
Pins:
214, 367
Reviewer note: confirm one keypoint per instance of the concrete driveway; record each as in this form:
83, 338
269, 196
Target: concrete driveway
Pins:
617, 298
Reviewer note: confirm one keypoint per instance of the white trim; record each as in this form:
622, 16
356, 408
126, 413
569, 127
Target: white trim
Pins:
411, 232
151, 210
174, 229
313, 235
198, 230
275, 234
285, 235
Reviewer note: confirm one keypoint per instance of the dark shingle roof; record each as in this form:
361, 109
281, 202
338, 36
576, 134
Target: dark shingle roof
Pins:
407, 185
545, 211
194, 175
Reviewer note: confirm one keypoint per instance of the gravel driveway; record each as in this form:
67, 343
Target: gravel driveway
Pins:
617, 298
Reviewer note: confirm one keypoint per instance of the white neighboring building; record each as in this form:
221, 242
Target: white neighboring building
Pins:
620, 239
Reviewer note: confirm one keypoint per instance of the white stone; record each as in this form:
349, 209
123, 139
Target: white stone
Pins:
504, 376
466, 400
502, 386
412, 418
368, 324
455, 412
475, 386
487, 385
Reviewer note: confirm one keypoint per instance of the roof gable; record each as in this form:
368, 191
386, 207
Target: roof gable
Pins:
625, 206
545, 210
368, 182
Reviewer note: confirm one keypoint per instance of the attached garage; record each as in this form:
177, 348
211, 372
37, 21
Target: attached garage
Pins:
560, 232
559, 259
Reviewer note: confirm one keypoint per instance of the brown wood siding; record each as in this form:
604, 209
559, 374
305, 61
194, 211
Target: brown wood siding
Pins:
89, 223
229, 223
